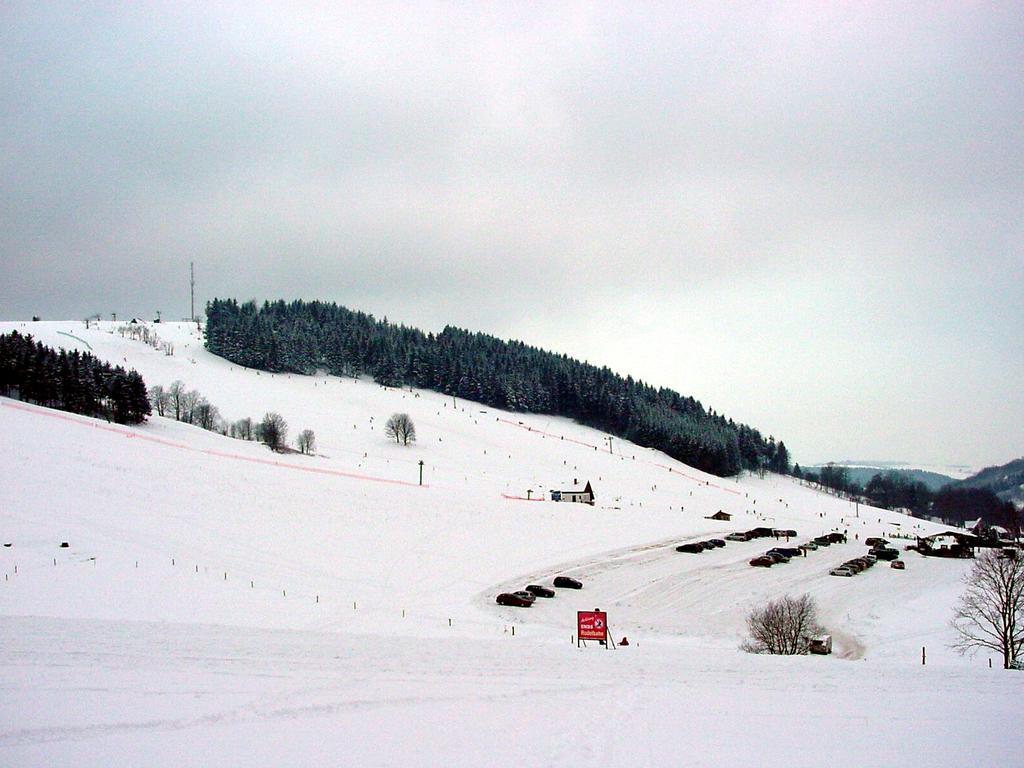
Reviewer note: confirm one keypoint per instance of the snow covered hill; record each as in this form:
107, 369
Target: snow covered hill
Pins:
221, 604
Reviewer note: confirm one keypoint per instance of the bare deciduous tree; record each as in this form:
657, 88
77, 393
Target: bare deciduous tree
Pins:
273, 430
990, 613
160, 399
400, 427
243, 429
205, 415
306, 441
176, 392
189, 401
784, 626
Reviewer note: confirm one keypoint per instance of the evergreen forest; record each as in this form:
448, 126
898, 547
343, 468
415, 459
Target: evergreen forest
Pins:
70, 381
304, 337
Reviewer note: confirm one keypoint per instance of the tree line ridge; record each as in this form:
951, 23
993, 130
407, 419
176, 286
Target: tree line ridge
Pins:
304, 337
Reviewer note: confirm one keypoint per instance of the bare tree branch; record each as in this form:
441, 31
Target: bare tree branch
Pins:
990, 614
784, 626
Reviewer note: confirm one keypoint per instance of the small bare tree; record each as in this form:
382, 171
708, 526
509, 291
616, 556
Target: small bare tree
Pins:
273, 430
990, 613
400, 427
206, 416
243, 429
188, 403
176, 392
306, 441
159, 399
785, 626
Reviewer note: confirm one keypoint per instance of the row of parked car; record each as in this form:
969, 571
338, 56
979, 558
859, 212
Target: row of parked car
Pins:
855, 566
785, 554
524, 598
761, 533
696, 547
879, 550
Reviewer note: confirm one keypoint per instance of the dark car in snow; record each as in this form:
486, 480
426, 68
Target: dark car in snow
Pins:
716, 542
564, 582
694, 547
777, 557
538, 591
515, 599
762, 562
885, 553
788, 551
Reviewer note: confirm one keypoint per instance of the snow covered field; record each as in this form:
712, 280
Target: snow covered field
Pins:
222, 605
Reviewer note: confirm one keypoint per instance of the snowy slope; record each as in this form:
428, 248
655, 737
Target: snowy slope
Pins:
323, 582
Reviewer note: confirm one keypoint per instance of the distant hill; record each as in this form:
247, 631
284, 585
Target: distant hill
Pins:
1006, 481
305, 337
862, 475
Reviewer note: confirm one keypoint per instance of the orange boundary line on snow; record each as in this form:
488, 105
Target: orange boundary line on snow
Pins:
547, 434
521, 498
85, 422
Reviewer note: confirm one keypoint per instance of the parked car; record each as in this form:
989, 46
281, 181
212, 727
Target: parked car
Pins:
785, 532
737, 536
821, 645
778, 557
716, 542
790, 551
855, 565
762, 562
841, 571
538, 591
694, 547
836, 538
875, 541
515, 599
872, 559
822, 541
809, 545
899, 565
564, 582
884, 553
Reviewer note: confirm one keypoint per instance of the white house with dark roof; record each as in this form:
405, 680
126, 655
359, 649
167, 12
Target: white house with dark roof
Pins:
584, 495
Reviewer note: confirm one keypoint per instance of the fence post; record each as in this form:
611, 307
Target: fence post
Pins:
922, 656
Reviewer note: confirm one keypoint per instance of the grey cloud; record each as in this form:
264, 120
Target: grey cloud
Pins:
720, 191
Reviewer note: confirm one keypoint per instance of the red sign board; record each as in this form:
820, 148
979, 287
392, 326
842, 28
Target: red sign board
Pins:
592, 625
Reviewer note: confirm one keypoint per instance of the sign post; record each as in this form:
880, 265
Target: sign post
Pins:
592, 625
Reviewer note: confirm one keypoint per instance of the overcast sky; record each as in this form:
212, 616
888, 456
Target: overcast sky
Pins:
808, 216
